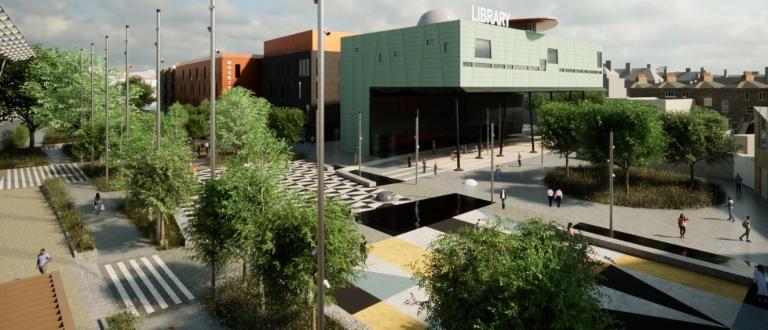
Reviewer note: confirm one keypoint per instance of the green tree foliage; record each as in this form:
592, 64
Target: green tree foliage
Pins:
700, 135
287, 123
534, 278
199, 118
15, 138
17, 97
144, 93
637, 134
559, 125
239, 116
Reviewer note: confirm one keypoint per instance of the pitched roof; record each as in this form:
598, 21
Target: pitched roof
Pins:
706, 84
750, 84
37, 302
671, 84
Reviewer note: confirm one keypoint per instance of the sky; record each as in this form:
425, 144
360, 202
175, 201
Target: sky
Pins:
713, 34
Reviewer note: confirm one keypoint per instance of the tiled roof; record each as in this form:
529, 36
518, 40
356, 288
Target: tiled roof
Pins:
37, 302
671, 84
706, 84
751, 84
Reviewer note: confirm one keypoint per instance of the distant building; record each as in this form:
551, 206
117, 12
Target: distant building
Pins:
191, 83
761, 151
167, 90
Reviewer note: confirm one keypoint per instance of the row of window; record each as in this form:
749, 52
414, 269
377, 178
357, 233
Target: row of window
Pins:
581, 71
542, 67
762, 96
187, 74
304, 67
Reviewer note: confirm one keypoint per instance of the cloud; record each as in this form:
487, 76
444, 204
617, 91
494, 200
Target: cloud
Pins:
681, 33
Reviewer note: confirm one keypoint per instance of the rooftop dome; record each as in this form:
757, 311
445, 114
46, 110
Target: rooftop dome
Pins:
437, 16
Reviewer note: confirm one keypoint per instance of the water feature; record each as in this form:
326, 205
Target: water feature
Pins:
379, 179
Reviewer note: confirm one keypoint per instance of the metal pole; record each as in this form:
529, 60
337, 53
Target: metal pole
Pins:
212, 97
127, 87
106, 109
359, 143
530, 115
416, 137
458, 140
610, 180
501, 136
488, 131
320, 166
157, 80
80, 82
93, 97
480, 139
492, 167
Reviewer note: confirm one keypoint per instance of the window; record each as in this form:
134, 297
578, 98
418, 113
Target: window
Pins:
204, 71
543, 64
396, 54
552, 55
763, 96
482, 48
746, 96
599, 59
237, 70
763, 134
685, 94
482, 65
445, 47
724, 106
357, 49
304, 67
669, 94
197, 73
498, 66
430, 41
707, 102
468, 64
379, 57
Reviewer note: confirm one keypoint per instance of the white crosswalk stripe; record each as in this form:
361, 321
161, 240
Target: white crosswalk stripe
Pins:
137, 284
29, 177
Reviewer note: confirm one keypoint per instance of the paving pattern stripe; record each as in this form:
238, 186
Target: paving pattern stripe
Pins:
703, 282
148, 284
173, 277
384, 316
120, 289
400, 253
28, 177
135, 287
161, 280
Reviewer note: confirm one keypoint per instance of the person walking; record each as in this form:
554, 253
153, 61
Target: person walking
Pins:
503, 198
550, 196
570, 229
498, 171
747, 224
519, 160
434, 147
97, 203
435, 168
738, 180
558, 196
424, 165
762, 288
409, 160
729, 206
43, 258
682, 223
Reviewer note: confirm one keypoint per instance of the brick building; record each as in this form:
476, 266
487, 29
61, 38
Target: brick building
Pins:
761, 151
191, 81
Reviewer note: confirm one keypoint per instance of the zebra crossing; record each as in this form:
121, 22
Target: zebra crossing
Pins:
27, 177
142, 284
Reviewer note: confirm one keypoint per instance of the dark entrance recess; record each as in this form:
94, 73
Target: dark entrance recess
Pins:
379, 179
398, 219
392, 113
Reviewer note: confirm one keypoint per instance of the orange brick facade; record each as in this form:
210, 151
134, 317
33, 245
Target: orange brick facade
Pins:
191, 85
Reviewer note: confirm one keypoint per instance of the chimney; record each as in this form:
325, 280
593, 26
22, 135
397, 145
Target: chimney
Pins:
706, 76
748, 76
766, 75
641, 78
689, 69
627, 68
665, 70
725, 73
671, 76
608, 65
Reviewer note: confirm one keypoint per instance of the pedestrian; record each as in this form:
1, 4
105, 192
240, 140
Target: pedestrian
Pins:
738, 180
550, 196
43, 258
503, 197
434, 147
97, 203
424, 165
570, 229
477, 224
682, 223
759, 279
435, 167
747, 224
206, 148
409, 160
729, 206
558, 196
519, 160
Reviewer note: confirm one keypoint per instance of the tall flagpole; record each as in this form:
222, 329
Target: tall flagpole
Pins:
106, 109
127, 88
93, 106
320, 165
157, 81
212, 98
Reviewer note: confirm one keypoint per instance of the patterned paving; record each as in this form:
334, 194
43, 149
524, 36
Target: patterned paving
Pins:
28, 177
146, 285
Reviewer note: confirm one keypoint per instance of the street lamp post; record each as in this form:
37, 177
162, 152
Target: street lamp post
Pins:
610, 180
416, 137
530, 115
157, 80
320, 165
127, 88
501, 135
491, 149
106, 109
212, 97
360, 143
93, 95
458, 140
80, 82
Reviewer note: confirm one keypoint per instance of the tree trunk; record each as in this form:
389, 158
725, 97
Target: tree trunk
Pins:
32, 130
626, 178
567, 168
691, 166
213, 282
245, 270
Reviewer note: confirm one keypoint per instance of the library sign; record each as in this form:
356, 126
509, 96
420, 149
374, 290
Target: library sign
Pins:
490, 16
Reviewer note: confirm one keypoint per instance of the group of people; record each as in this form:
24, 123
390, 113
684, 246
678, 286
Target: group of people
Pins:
555, 196
682, 221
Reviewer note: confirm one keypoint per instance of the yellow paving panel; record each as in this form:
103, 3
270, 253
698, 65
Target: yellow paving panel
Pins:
399, 253
385, 316
688, 278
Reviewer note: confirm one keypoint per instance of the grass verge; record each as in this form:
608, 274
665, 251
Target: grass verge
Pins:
147, 224
69, 216
123, 320
648, 188
22, 157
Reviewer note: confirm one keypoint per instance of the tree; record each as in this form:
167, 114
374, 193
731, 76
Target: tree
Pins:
16, 101
534, 278
558, 125
198, 122
238, 114
287, 123
700, 135
637, 134
144, 92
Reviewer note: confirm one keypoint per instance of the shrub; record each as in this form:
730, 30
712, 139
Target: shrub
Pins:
146, 223
69, 216
97, 174
16, 138
123, 320
25, 157
53, 136
651, 188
